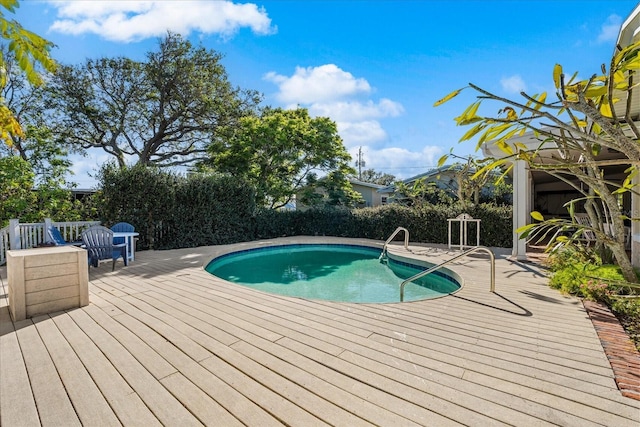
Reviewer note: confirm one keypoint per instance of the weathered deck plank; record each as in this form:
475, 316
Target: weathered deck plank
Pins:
126, 404
53, 403
163, 404
164, 342
89, 404
233, 401
17, 404
207, 410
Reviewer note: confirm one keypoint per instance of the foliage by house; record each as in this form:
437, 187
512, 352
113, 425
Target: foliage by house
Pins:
587, 118
455, 182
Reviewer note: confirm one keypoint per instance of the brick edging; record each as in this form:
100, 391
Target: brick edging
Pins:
618, 347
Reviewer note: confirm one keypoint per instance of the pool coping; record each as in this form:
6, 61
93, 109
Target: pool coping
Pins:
402, 260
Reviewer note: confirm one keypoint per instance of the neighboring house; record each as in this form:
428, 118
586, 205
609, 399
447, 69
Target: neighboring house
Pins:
537, 190
445, 178
82, 193
373, 194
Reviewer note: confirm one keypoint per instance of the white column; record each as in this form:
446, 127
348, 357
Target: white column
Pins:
47, 224
521, 207
14, 234
635, 226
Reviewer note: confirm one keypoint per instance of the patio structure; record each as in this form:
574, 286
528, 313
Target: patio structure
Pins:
162, 342
537, 190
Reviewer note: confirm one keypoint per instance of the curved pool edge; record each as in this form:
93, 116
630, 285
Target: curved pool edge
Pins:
394, 251
427, 264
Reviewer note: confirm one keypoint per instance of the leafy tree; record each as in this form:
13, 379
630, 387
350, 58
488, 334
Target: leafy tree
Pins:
501, 194
30, 50
35, 144
162, 111
470, 187
577, 128
374, 177
278, 151
21, 198
16, 184
420, 193
332, 190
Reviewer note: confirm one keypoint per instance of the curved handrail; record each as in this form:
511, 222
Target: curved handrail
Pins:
406, 240
465, 253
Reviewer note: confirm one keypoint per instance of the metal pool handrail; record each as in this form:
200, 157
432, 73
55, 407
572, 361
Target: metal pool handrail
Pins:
406, 240
465, 253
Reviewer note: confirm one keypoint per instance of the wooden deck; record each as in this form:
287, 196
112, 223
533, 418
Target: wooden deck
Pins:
165, 343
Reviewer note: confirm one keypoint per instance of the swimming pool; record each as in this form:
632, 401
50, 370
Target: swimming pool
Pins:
334, 272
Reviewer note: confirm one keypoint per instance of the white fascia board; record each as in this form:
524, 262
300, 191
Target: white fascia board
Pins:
630, 29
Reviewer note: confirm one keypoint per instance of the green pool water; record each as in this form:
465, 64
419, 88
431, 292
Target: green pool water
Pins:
345, 273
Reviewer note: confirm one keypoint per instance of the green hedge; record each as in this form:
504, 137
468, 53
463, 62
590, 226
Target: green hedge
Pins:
141, 196
212, 210
426, 224
170, 211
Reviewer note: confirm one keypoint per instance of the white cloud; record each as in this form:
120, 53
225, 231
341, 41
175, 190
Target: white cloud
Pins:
610, 29
329, 91
354, 111
325, 83
127, 21
513, 84
358, 133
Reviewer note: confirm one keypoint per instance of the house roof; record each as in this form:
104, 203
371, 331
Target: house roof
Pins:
630, 29
629, 33
366, 184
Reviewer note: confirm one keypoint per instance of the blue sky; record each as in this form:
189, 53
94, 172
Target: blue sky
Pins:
374, 67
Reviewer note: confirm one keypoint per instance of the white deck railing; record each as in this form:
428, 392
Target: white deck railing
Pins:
29, 235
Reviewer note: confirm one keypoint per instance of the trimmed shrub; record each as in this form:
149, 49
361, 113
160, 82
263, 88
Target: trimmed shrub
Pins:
211, 210
426, 224
142, 196
170, 211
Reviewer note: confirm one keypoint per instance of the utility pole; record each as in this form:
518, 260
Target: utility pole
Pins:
360, 163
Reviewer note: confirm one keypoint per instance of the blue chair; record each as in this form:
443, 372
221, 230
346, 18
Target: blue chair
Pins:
123, 227
98, 241
57, 239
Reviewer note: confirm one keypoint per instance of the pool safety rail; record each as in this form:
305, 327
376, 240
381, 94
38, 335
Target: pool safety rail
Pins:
394, 234
492, 258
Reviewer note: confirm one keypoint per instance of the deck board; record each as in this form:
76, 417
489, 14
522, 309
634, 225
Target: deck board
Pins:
53, 403
207, 410
126, 404
17, 404
233, 401
88, 401
165, 343
165, 406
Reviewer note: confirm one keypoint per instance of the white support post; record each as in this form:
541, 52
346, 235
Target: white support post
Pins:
14, 234
635, 225
521, 205
47, 223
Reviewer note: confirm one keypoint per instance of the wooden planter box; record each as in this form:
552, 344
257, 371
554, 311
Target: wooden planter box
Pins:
44, 280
